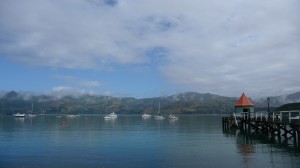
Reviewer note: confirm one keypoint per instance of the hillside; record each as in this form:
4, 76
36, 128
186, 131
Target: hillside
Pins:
189, 102
289, 107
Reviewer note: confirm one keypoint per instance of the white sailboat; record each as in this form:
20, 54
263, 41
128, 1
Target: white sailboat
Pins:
58, 115
31, 112
159, 116
110, 116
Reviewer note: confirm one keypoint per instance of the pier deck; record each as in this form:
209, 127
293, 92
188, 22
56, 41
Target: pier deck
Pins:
283, 124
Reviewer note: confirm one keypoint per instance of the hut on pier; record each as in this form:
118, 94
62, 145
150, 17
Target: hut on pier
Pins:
244, 106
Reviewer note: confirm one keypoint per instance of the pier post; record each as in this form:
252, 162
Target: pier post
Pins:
278, 132
298, 137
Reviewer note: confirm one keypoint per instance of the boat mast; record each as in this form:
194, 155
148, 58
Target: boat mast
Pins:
158, 107
31, 108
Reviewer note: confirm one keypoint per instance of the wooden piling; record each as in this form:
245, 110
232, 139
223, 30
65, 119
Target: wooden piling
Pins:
280, 125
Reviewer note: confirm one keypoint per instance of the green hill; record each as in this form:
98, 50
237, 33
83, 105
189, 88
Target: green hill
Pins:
289, 107
189, 102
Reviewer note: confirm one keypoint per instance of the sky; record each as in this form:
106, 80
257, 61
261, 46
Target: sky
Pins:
142, 48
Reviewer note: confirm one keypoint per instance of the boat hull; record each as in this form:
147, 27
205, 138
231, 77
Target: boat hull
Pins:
159, 117
19, 115
110, 116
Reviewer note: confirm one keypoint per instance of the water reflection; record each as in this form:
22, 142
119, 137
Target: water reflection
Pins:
20, 119
129, 141
249, 145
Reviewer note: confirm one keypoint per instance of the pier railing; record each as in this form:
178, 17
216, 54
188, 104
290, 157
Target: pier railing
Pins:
279, 123
276, 116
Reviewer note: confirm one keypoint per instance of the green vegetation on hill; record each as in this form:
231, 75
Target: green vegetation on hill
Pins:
189, 102
289, 107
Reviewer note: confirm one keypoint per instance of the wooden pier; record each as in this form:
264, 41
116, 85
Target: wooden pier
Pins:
283, 124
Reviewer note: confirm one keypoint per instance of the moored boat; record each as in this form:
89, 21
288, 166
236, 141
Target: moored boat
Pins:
19, 115
31, 114
145, 115
72, 115
159, 116
173, 117
112, 115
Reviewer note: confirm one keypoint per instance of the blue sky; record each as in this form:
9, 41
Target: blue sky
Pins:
143, 48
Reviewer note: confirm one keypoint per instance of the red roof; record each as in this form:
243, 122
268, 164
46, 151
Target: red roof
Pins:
244, 101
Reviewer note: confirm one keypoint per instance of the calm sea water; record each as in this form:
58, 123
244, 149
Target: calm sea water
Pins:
130, 141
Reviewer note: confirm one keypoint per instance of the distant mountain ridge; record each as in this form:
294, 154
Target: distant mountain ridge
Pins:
189, 102
280, 100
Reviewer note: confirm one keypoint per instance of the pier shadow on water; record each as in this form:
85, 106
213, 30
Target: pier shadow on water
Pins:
249, 143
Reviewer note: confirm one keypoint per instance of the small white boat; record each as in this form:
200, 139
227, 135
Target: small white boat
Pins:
111, 116
72, 115
19, 115
173, 117
146, 115
31, 115
58, 116
159, 117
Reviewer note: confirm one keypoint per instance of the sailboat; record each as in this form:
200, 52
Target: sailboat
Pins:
110, 116
58, 115
159, 116
31, 112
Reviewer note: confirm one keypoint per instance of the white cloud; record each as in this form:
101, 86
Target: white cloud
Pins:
224, 47
78, 81
61, 91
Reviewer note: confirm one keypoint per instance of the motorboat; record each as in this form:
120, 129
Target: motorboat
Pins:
145, 115
173, 117
72, 115
112, 115
19, 115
